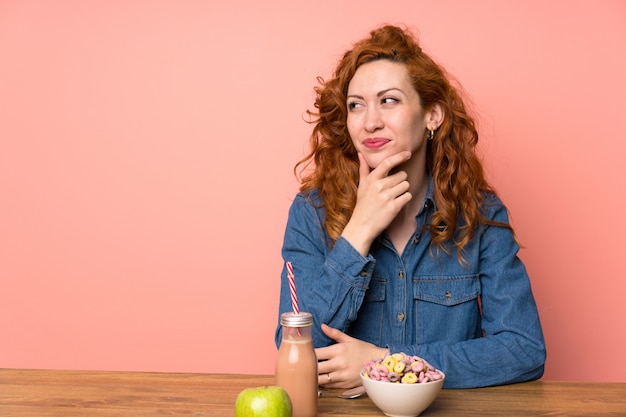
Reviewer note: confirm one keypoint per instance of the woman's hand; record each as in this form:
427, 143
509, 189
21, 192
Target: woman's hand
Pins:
342, 362
380, 197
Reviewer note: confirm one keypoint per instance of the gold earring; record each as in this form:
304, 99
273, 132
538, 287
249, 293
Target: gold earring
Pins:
431, 134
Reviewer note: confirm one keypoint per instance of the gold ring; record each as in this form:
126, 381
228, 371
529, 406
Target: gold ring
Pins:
328, 375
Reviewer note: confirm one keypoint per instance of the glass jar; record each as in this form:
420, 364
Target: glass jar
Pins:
296, 363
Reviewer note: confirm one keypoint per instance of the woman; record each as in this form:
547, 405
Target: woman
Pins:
397, 241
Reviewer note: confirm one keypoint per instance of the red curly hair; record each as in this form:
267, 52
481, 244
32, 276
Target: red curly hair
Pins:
459, 180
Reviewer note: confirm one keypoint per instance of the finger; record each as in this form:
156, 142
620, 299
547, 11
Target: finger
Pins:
335, 334
326, 382
396, 179
322, 379
403, 199
364, 168
324, 353
399, 189
391, 162
324, 366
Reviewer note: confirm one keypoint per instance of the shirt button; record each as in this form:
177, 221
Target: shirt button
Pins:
448, 295
401, 275
363, 273
416, 240
400, 316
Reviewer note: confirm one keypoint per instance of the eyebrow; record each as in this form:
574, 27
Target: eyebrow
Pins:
379, 94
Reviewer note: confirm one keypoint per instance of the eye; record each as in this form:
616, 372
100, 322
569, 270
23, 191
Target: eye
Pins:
389, 100
353, 105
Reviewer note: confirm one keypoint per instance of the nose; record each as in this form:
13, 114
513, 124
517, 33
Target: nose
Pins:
373, 120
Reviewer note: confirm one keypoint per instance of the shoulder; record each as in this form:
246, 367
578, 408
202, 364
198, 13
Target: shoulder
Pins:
307, 204
307, 200
306, 217
311, 196
493, 208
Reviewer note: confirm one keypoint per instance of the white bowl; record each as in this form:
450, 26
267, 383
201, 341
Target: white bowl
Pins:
402, 400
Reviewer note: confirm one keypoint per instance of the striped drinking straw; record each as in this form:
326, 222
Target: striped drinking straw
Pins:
292, 288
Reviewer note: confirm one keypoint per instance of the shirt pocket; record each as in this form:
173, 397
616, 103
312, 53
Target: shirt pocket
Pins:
376, 290
447, 307
368, 325
446, 290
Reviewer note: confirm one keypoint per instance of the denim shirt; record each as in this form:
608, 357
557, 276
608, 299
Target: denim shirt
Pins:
477, 321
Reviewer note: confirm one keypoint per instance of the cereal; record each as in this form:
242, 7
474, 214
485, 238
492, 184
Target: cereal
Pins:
409, 378
400, 368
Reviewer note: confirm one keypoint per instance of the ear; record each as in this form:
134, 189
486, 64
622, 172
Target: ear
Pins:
434, 117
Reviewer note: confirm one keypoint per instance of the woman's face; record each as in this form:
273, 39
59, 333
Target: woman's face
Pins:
384, 113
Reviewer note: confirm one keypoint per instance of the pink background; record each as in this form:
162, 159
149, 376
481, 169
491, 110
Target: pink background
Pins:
146, 166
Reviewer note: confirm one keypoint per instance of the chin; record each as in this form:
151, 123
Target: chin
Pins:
374, 161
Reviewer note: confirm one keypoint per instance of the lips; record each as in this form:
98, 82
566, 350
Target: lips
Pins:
375, 143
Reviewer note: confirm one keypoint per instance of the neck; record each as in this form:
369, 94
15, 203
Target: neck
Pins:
418, 185
403, 225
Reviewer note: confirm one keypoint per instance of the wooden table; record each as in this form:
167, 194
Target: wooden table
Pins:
41, 393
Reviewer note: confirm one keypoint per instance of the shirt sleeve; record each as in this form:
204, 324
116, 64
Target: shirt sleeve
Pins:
330, 281
512, 348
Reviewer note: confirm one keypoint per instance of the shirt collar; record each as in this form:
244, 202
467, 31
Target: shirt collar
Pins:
429, 199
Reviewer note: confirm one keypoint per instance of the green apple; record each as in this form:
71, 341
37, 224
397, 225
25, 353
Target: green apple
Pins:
267, 401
